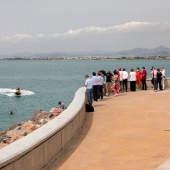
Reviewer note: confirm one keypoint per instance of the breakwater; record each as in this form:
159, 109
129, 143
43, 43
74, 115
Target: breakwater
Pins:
48, 142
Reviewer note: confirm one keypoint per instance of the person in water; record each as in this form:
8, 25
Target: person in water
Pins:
10, 112
18, 91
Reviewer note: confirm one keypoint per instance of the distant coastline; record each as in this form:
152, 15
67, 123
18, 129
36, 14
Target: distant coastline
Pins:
92, 58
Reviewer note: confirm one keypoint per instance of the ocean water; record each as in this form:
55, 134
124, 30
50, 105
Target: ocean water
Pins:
44, 83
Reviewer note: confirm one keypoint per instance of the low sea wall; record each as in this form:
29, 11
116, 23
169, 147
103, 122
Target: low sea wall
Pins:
149, 84
43, 146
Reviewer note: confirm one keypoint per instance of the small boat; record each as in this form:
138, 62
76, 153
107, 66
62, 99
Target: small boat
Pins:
18, 94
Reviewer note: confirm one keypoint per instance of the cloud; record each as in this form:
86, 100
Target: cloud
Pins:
21, 37
126, 28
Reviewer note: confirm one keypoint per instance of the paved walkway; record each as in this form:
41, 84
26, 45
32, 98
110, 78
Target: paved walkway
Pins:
127, 132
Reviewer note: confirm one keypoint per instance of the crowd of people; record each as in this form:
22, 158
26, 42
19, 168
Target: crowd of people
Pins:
106, 83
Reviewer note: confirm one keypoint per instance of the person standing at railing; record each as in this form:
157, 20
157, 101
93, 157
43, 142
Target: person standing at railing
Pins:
163, 77
95, 86
100, 86
89, 89
125, 79
154, 75
108, 82
144, 77
159, 79
138, 78
132, 75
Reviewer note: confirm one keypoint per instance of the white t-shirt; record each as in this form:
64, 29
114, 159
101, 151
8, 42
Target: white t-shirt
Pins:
132, 76
163, 73
125, 75
121, 75
100, 80
89, 83
95, 80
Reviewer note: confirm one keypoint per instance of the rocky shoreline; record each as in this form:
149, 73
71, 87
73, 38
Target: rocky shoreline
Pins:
22, 129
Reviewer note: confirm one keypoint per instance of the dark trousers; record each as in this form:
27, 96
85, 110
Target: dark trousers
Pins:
155, 83
125, 84
100, 91
132, 85
144, 85
95, 92
159, 84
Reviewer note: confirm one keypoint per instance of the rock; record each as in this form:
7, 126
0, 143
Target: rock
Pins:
56, 110
28, 126
20, 130
38, 115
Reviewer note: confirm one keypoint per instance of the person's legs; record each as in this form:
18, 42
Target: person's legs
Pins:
159, 84
126, 84
163, 83
107, 88
145, 85
140, 84
131, 85
101, 91
134, 85
89, 93
123, 85
95, 92
155, 84
91, 96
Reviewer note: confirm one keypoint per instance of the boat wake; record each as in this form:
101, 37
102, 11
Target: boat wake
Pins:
11, 92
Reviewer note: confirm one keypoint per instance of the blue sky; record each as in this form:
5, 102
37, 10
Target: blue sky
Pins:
43, 26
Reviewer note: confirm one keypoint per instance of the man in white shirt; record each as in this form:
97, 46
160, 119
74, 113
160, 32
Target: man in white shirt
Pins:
125, 79
163, 77
95, 86
121, 79
89, 89
100, 86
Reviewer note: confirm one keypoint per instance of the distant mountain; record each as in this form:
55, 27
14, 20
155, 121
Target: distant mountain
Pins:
159, 51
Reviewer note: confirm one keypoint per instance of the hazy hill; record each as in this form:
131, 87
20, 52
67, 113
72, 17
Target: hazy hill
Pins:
159, 51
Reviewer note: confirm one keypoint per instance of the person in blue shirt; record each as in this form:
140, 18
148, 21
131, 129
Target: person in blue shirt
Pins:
89, 89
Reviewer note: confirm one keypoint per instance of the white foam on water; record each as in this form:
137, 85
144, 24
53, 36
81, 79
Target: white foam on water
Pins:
11, 92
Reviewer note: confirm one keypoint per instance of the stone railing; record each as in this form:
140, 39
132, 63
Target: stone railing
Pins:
43, 146
149, 85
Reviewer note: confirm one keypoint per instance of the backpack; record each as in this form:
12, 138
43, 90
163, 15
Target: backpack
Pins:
89, 108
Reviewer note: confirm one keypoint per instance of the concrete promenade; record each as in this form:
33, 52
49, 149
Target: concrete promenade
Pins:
127, 132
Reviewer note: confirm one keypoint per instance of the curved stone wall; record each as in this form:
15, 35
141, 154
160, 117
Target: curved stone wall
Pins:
40, 148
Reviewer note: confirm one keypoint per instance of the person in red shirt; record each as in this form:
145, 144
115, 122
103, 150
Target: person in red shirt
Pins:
138, 78
144, 77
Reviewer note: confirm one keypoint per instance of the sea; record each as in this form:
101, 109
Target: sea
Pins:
44, 83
